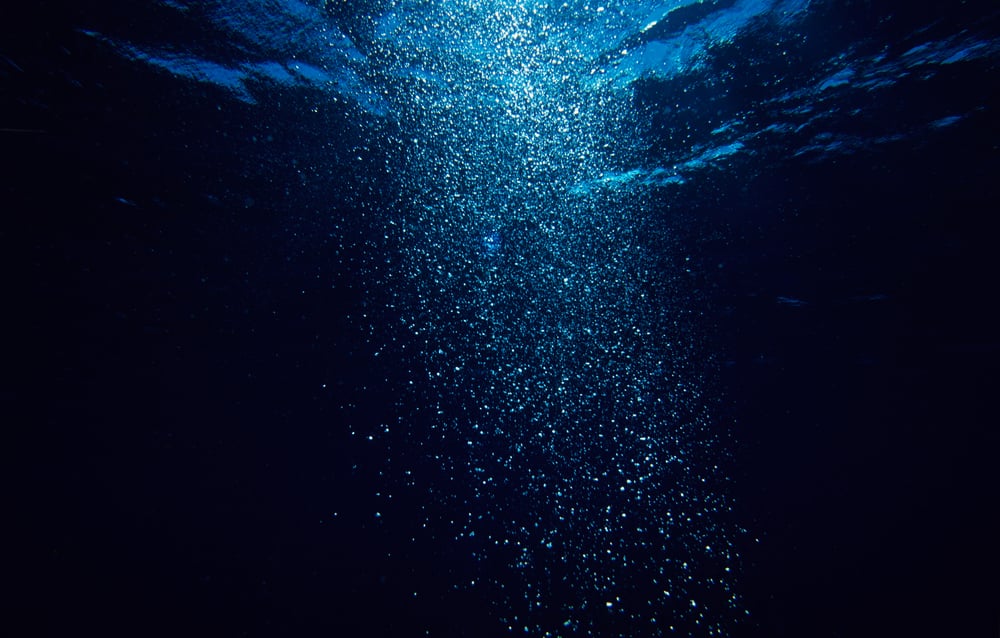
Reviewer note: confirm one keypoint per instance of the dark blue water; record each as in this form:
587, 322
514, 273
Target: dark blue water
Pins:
490, 318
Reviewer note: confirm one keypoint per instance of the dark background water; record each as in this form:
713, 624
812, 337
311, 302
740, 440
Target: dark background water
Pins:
181, 332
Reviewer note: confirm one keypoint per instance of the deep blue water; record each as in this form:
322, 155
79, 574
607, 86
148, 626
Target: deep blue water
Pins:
490, 318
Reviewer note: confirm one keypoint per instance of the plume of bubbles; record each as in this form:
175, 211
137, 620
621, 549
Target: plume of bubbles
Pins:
557, 383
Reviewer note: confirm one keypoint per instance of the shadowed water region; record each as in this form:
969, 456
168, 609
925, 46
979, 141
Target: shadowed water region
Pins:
495, 317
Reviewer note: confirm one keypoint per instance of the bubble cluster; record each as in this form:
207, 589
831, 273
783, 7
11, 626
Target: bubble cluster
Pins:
556, 384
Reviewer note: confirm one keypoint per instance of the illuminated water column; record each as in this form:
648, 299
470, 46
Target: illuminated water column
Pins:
553, 365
